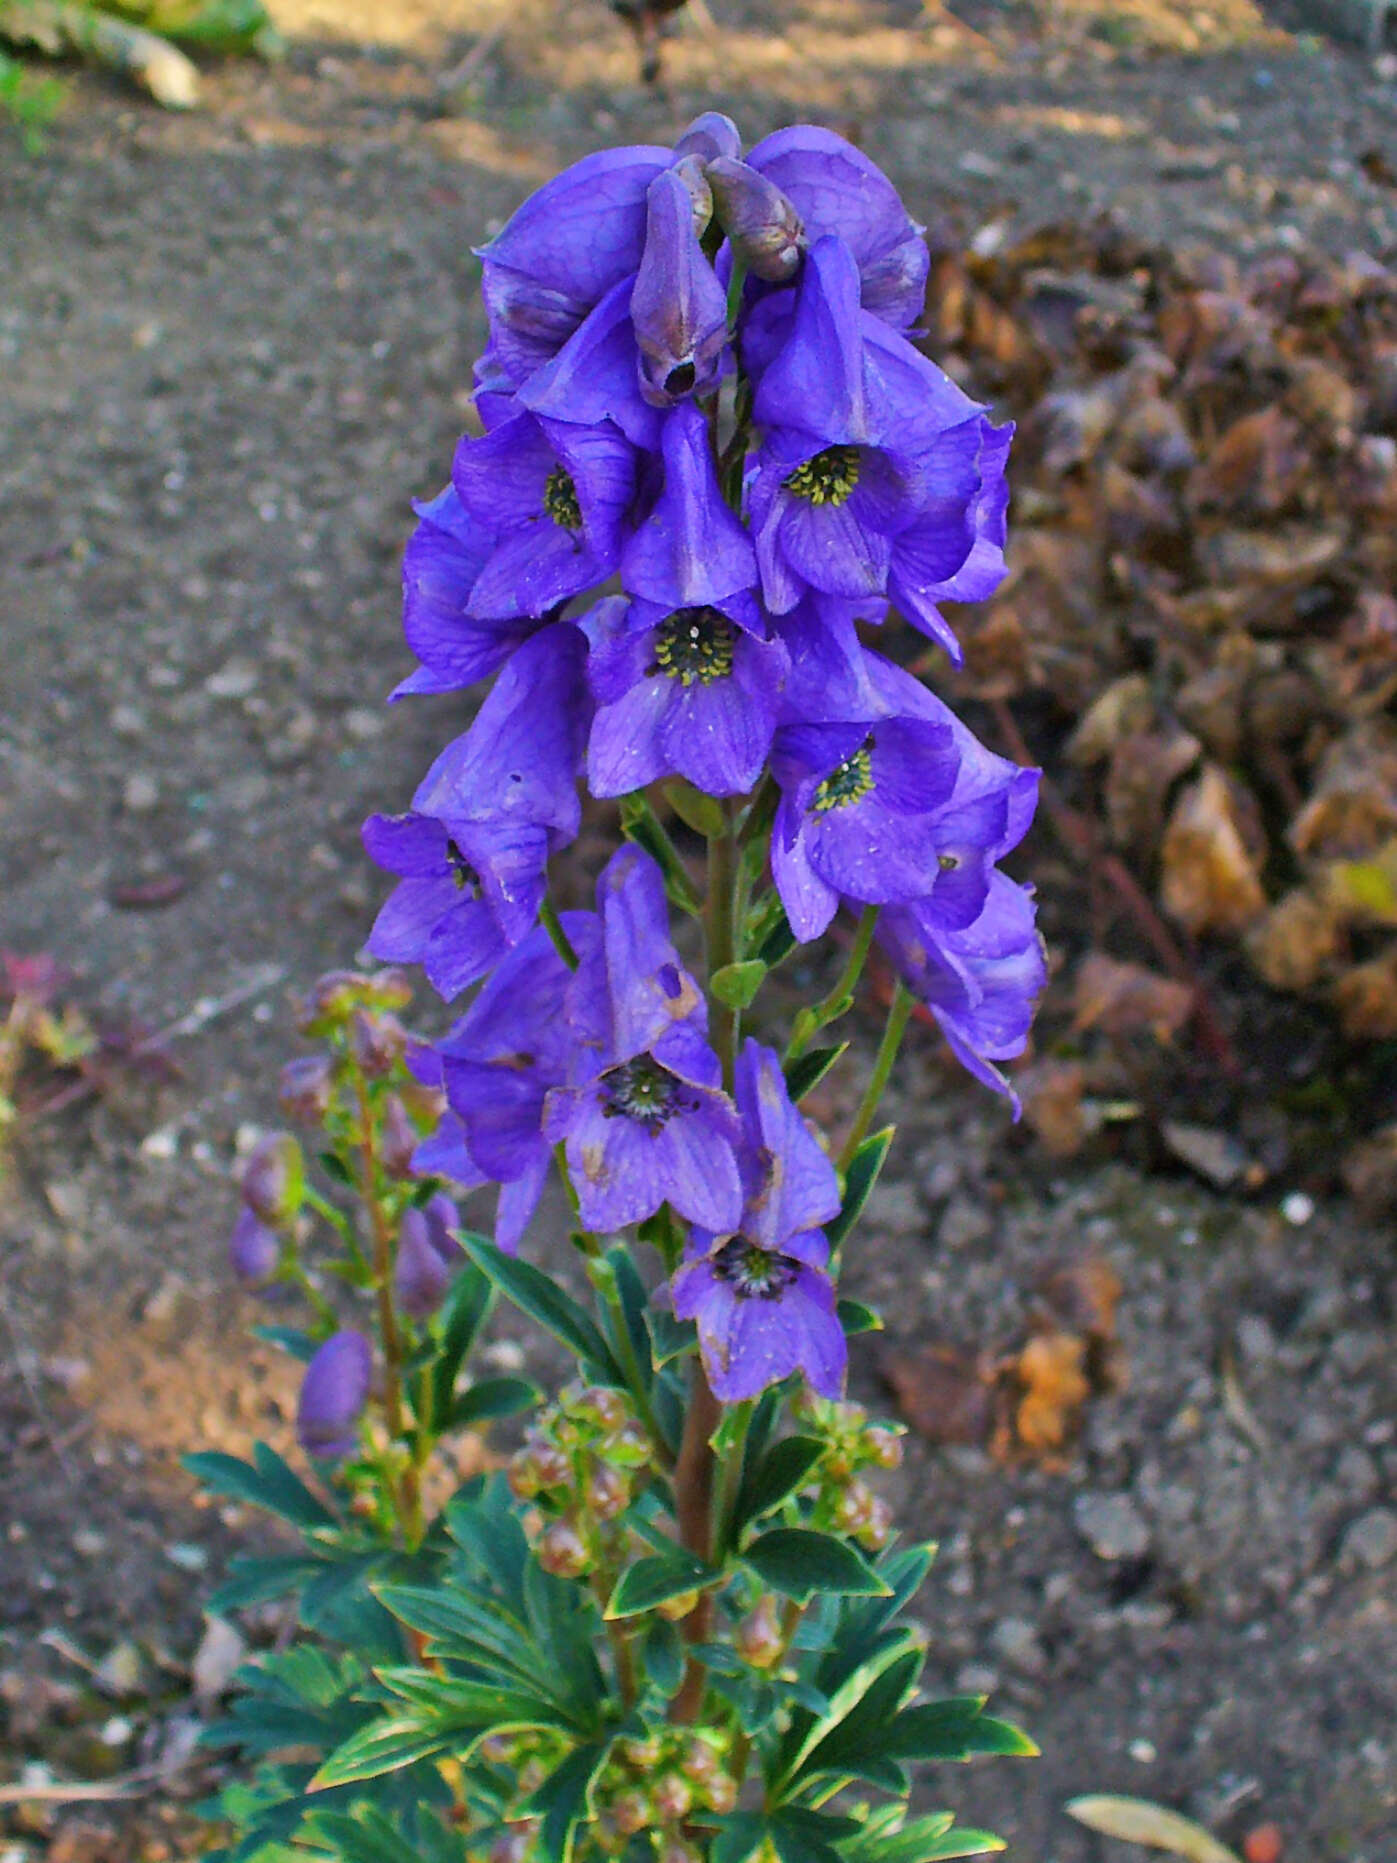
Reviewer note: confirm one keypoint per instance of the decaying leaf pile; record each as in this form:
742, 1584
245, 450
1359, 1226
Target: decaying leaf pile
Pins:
1198, 634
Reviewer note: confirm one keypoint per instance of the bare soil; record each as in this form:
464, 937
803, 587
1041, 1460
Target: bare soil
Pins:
232, 346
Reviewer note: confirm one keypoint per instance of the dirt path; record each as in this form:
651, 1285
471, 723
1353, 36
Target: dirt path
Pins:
231, 347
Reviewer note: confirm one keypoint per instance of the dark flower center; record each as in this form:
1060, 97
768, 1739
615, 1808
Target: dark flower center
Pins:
847, 782
828, 478
694, 644
560, 500
462, 872
754, 1273
642, 1090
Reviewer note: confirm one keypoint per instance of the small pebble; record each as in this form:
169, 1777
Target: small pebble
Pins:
128, 721
1143, 1752
235, 679
1297, 1209
1111, 1525
139, 794
1371, 1540
187, 1556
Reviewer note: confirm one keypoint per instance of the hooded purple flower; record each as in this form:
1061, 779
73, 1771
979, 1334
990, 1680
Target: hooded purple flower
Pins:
334, 1391
582, 233
499, 1063
876, 474
981, 982
644, 1118
254, 1250
908, 805
678, 308
684, 680
427, 1254
555, 496
761, 1294
443, 560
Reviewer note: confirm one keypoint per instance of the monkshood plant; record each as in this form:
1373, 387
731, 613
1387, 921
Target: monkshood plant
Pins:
672, 1624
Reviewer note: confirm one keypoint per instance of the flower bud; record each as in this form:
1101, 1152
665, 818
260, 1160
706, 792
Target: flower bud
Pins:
522, 1475
329, 1002
605, 1406
253, 1250
606, 1492
628, 1447
720, 1793
690, 172
700, 1760
387, 989
884, 1446
877, 1530
562, 1550
758, 1637
420, 1276
509, 1847
644, 1754
397, 1140
375, 1042
334, 1392
631, 1812
673, 1796
767, 233
305, 1087
854, 1508
273, 1180
675, 1850
443, 1220
679, 311
710, 135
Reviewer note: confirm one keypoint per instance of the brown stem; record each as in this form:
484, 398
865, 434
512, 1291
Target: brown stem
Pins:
1079, 837
409, 1497
693, 1506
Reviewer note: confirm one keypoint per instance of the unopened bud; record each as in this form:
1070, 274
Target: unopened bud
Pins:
884, 1446
854, 1508
644, 1754
522, 1475
273, 1180
720, 1793
330, 1001
606, 1492
690, 172
605, 1406
675, 1850
877, 1530
628, 1447
305, 1087
387, 989
700, 1760
673, 1796
710, 135
631, 1811
375, 1042
758, 1637
562, 1550
334, 1392
420, 1276
443, 1220
397, 1140
767, 233
253, 1250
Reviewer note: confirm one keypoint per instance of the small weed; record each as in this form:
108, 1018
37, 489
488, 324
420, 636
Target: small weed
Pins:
30, 102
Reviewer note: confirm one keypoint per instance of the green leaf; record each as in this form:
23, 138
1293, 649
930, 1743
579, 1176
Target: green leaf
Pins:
385, 1745
670, 1338
696, 810
808, 1070
740, 1835
287, 1339
854, 1746
1139, 1821
778, 943
270, 1485
856, 1318
564, 1800
456, 1328
862, 1175
662, 1654
735, 985
640, 824
334, 1166
492, 1397
254, 1581
954, 1729
782, 1472
930, 1839
654, 1580
798, 1563
540, 1296
801, 1836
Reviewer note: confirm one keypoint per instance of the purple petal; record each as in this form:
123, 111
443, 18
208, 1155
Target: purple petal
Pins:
691, 550
678, 308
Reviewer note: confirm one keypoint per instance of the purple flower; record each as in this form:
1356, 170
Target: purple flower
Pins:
254, 1250
443, 560
582, 233
468, 891
498, 1064
876, 474
273, 1180
520, 759
980, 982
427, 1253
683, 678
643, 1118
908, 805
555, 495
765, 231
761, 1295
710, 137
678, 308
334, 1392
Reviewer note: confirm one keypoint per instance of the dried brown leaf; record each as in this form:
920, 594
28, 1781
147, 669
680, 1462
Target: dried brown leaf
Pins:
1210, 878
1296, 941
1144, 768
1253, 470
1290, 554
943, 1391
1366, 998
1051, 1094
1127, 999
1124, 707
1352, 808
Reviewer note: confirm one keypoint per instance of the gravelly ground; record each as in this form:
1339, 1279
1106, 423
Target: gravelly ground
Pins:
231, 347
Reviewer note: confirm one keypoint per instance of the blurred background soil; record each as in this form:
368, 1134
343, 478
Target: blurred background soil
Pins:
233, 344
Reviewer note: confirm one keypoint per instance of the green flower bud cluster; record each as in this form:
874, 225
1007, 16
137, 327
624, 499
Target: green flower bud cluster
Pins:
580, 1462
843, 1501
652, 1785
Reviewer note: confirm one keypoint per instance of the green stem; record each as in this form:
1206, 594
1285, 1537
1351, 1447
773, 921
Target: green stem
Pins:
553, 925
295, 1271
604, 1281
899, 1013
719, 923
810, 1021
730, 1482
